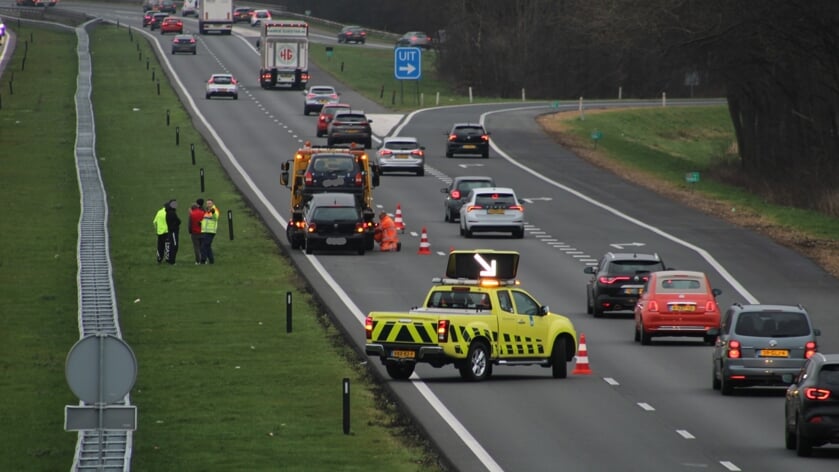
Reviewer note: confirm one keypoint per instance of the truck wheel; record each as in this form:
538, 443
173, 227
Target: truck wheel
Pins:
477, 365
558, 363
400, 370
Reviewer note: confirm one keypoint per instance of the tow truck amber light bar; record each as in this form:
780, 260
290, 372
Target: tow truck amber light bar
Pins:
488, 282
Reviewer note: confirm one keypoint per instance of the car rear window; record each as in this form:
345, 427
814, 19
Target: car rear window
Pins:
222, 79
469, 130
328, 110
333, 163
401, 145
459, 299
351, 118
321, 91
634, 267
776, 324
335, 214
466, 185
681, 285
495, 199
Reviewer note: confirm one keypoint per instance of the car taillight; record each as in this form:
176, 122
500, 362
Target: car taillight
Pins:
300, 224
360, 227
443, 331
710, 305
310, 95
234, 82
210, 81
455, 194
386, 152
652, 305
815, 393
606, 280
334, 95
358, 180
322, 118
312, 228
309, 179
809, 349
515, 207
418, 152
484, 137
452, 137
368, 327
192, 41
733, 349
473, 207
364, 33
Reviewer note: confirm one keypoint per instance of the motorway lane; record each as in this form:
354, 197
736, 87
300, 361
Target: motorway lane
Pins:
581, 421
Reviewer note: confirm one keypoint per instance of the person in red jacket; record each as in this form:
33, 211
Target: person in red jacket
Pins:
196, 214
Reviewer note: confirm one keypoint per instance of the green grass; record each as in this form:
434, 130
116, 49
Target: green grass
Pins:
221, 385
668, 143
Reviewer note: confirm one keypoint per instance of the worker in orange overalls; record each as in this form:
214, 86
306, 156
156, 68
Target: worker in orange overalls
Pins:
386, 234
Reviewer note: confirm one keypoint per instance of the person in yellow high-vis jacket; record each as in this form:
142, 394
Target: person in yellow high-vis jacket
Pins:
209, 226
162, 230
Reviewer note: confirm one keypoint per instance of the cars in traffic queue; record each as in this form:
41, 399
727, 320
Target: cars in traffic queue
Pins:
167, 6
326, 114
352, 34
184, 43
334, 222
762, 345
148, 16
350, 126
260, 16
475, 319
415, 39
222, 85
456, 193
242, 14
172, 25
188, 8
401, 154
317, 96
617, 281
678, 303
492, 209
811, 406
467, 138
157, 20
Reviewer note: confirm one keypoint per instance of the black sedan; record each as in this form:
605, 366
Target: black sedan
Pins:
352, 34
812, 405
184, 43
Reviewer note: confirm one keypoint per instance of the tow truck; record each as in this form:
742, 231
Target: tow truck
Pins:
293, 176
475, 317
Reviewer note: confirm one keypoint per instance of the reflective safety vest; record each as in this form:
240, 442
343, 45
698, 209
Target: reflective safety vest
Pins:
390, 239
210, 222
159, 222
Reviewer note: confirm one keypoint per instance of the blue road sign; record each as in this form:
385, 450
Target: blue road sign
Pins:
407, 63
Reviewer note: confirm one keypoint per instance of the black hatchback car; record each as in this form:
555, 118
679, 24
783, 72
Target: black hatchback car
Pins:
334, 221
351, 126
618, 280
467, 138
352, 34
812, 405
415, 39
184, 43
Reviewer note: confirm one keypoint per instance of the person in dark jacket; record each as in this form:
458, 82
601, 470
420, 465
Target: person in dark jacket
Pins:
173, 224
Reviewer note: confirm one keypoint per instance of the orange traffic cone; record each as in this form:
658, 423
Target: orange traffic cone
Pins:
582, 367
425, 246
400, 226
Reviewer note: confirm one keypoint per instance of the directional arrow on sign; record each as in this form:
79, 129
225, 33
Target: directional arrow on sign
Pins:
623, 245
490, 269
533, 199
409, 68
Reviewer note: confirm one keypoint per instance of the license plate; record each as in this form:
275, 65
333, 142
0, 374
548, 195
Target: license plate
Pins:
336, 241
352, 131
323, 100
774, 353
683, 308
401, 156
632, 291
469, 146
403, 354
285, 76
496, 211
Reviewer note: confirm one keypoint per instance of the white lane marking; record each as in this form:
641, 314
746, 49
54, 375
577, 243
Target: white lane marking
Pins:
730, 466
611, 381
722, 271
646, 406
685, 434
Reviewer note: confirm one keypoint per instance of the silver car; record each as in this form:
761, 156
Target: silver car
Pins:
317, 96
401, 154
761, 345
224, 85
492, 209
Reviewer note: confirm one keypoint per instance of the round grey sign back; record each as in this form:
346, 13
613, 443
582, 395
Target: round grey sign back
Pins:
101, 369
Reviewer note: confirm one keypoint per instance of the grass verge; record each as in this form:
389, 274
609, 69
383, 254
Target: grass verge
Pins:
221, 385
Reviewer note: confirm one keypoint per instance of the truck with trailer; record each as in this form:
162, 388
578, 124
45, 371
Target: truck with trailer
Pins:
475, 317
284, 54
215, 16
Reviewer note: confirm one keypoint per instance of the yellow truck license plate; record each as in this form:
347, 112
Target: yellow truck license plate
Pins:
401, 354
774, 353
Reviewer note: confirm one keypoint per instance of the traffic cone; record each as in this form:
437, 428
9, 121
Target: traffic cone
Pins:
400, 226
425, 247
582, 367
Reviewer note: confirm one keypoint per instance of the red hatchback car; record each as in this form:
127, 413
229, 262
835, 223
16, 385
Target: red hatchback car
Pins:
326, 114
677, 303
171, 25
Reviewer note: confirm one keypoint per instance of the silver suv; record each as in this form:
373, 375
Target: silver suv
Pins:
762, 345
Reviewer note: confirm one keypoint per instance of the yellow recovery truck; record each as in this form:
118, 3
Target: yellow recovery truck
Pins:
474, 317
294, 175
